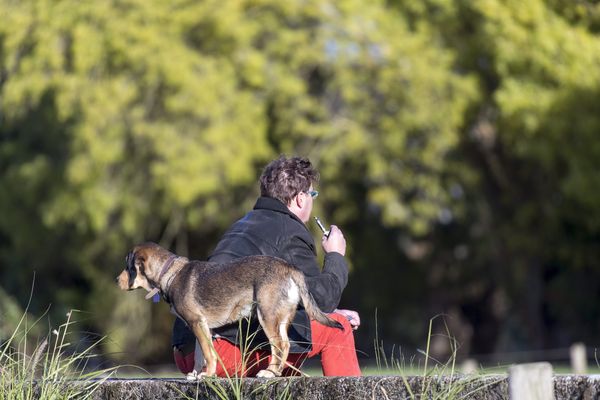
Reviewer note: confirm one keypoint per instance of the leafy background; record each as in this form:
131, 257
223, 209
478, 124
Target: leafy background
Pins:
456, 142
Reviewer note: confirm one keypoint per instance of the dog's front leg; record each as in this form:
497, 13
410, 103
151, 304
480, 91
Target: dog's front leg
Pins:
203, 337
199, 361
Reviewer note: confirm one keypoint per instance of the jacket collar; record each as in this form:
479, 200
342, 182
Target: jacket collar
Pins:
269, 203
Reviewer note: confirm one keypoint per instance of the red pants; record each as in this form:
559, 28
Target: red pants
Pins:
336, 347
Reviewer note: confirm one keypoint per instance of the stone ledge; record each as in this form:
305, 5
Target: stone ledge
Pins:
484, 387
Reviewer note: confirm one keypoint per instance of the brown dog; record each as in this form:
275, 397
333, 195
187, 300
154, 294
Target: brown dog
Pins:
209, 295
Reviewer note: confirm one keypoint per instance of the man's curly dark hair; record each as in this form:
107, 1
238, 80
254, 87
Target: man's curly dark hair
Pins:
284, 178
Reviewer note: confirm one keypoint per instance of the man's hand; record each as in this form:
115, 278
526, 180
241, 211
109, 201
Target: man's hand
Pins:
335, 241
351, 316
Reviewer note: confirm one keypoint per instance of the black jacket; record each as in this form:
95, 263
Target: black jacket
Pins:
271, 229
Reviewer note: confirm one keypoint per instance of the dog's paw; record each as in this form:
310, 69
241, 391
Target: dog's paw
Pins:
193, 376
266, 373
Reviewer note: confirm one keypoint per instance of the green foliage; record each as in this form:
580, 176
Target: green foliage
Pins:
145, 118
531, 224
455, 141
116, 129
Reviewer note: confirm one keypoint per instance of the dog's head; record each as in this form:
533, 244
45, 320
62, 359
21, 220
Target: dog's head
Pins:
140, 266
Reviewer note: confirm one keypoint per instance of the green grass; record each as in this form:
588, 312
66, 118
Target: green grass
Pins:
46, 367
42, 369
428, 367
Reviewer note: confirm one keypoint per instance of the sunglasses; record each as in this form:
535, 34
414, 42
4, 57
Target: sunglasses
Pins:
312, 193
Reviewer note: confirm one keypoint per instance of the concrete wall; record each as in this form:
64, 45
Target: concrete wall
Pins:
486, 387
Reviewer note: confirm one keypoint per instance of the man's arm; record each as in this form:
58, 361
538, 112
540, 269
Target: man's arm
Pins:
326, 286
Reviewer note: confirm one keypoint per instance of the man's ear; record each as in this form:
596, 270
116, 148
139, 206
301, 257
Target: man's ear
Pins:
296, 201
300, 201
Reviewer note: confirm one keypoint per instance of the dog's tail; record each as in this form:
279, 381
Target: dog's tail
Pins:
311, 307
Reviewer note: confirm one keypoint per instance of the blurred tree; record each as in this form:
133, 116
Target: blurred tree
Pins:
532, 227
116, 128
380, 109
455, 141
147, 120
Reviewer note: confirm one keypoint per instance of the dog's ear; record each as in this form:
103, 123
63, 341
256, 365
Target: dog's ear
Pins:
141, 265
131, 270
140, 260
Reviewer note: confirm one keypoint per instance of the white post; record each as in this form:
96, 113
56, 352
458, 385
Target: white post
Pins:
530, 382
469, 366
578, 359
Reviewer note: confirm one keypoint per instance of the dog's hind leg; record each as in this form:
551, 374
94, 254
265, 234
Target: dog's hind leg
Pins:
269, 326
275, 324
283, 324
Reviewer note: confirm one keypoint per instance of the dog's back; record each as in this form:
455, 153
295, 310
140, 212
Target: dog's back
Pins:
225, 293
